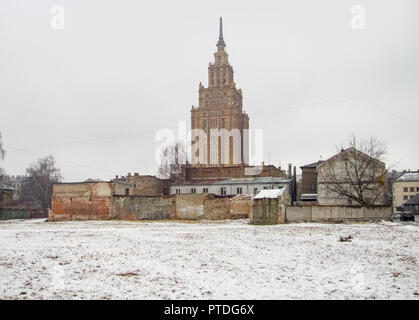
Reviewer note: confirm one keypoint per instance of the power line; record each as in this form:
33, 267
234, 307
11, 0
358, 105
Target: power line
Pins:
62, 160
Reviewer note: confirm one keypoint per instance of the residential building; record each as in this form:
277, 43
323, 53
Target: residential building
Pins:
405, 187
348, 175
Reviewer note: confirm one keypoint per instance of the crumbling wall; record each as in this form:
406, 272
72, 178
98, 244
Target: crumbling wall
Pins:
241, 206
81, 201
97, 201
189, 206
216, 208
146, 185
143, 207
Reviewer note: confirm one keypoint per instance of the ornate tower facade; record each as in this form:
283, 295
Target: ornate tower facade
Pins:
220, 115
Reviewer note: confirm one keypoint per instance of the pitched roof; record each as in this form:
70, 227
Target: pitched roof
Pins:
312, 165
409, 176
345, 151
5, 187
269, 193
414, 200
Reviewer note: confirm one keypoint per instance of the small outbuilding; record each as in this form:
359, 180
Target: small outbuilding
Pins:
269, 206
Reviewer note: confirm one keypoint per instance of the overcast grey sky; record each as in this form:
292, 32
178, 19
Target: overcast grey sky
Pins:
95, 93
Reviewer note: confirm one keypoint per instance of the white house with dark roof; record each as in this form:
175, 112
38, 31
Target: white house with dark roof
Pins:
229, 186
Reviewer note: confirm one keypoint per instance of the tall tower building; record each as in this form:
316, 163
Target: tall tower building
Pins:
221, 107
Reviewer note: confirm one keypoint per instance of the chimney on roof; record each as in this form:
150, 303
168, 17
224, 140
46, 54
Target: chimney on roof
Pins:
116, 177
289, 170
129, 174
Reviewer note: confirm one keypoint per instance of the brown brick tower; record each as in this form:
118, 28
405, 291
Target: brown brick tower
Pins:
221, 107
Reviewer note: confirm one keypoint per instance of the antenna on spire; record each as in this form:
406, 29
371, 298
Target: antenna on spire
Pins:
221, 42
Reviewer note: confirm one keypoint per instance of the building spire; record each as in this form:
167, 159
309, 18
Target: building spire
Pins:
221, 42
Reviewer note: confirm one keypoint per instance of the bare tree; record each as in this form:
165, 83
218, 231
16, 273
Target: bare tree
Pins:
357, 173
172, 159
37, 189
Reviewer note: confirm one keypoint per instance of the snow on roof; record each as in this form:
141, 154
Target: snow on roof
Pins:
269, 193
5, 187
409, 176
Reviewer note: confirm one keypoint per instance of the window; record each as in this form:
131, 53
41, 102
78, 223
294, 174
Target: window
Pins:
417, 189
265, 187
239, 191
255, 190
205, 190
404, 197
193, 190
127, 192
205, 124
223, 191
222, 123
405, 189
134, 186
412, 189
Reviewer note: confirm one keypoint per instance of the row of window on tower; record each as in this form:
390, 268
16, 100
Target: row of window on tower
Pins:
213, 123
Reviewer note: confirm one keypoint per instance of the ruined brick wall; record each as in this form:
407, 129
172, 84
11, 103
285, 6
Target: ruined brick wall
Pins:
143, 207
241, 206
217, 208
189, 206
97, 201
211, 207
146, 185
81, 201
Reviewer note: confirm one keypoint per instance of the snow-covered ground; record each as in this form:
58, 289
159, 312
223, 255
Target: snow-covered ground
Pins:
207, 260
